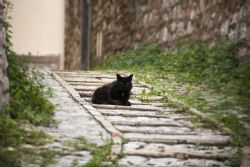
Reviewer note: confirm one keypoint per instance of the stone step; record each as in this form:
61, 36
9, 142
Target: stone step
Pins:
169, 130
92, 80
203, 139
88, 75
156, 130
89, 92
151, 114
99, 80
143, 121
91, 74
142, 161
98, 84
92, 88
153, 124
133, 107
134, 101
180, 151
84, 88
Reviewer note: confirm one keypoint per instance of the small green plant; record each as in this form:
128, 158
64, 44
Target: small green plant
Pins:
235, 161
10, 140
9, 158
47, 157
10, 133
39, 157
37, 138
100, 154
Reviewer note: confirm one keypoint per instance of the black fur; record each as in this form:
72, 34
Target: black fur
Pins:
115, 93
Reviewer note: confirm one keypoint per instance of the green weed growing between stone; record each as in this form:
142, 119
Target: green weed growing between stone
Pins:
100, 154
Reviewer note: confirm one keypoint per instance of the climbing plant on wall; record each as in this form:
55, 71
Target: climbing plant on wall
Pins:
28, 96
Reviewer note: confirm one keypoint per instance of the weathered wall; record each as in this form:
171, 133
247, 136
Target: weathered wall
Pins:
114, 21
38, 27
118, 25
4, 82
72, 34
123, 24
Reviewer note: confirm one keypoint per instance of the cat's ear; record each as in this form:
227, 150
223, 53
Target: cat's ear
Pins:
130, 77
118, 77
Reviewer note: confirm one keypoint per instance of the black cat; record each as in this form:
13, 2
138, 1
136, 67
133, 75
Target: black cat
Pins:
115, 93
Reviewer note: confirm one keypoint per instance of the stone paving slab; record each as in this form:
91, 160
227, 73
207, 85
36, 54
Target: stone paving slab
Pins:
140, 121
170, 130
132, 107
140, 161
96, 84
182, 151
129, 113
206, 139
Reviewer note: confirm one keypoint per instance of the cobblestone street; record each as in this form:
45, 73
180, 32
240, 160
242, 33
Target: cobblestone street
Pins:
145, 134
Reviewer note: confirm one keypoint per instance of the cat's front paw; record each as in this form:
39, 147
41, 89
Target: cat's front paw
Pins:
127, 103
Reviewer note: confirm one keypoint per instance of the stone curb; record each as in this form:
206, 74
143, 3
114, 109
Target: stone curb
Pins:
115, 134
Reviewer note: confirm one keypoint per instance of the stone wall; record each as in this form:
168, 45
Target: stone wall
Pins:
4, 82
72, 34
113, 22
49, 61
118, 25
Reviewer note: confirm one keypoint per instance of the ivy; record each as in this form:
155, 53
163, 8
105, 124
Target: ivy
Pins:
28, 96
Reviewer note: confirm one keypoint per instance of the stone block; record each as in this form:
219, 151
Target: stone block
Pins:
224, 28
